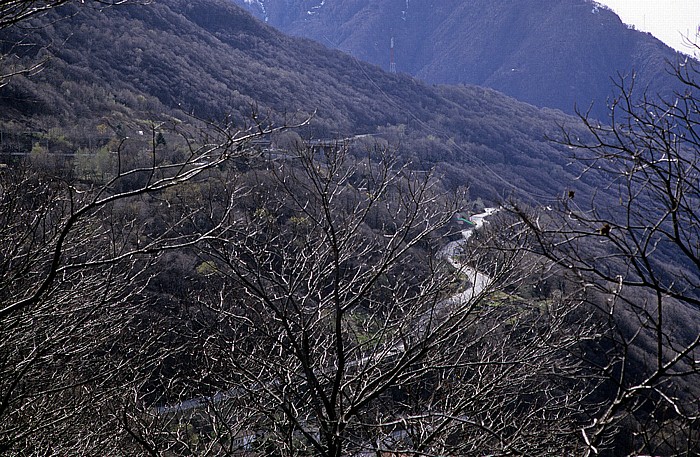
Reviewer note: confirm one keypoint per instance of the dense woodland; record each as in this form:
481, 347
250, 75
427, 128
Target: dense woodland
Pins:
219, 240
193, 65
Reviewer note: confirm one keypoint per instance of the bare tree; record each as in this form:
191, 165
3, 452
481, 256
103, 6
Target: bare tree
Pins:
76, 259
337, 329
635, 247
324, 315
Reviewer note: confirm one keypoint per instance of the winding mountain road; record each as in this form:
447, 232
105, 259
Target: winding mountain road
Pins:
478, 280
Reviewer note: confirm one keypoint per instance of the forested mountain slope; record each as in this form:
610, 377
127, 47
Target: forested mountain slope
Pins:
212, 59
555, 53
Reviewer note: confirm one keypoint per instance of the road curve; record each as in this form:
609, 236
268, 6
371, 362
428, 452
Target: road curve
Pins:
478, 280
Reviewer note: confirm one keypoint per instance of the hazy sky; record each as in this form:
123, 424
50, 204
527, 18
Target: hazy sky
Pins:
665, 19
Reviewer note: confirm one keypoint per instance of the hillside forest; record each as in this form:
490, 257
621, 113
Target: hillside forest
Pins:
220, 240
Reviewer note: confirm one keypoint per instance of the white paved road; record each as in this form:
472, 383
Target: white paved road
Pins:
478, 280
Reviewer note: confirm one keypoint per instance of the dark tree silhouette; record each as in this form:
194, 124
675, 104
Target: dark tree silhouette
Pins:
639, 260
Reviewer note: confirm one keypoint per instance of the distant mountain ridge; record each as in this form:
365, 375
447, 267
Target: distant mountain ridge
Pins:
554, 53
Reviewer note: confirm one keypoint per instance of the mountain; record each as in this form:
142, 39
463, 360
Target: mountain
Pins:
174, 60
556, 53
103, 76
211, 59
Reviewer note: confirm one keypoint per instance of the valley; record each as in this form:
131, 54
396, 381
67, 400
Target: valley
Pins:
221, 238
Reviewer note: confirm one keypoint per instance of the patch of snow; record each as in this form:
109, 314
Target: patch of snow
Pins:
261, 5
314, 9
